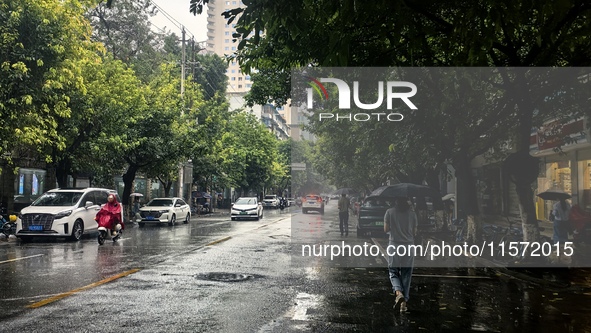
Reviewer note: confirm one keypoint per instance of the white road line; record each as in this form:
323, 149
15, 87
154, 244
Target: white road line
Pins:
22, 258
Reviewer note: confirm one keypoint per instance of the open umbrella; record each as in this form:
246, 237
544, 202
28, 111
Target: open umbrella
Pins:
554, 195
409, 190
136, 195
345, 190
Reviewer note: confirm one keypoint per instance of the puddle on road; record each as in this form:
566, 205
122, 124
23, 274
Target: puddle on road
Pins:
226, 277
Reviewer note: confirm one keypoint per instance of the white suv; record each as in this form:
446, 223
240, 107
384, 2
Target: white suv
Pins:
63, 213
271, 201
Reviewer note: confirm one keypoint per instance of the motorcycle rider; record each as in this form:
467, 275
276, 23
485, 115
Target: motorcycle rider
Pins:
110, 215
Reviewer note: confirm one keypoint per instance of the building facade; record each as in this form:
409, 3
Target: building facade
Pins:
564, 154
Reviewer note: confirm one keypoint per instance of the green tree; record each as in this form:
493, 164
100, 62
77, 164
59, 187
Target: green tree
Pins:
408, 33
125, 30
210, 72
109, 103
40, 44
248, 153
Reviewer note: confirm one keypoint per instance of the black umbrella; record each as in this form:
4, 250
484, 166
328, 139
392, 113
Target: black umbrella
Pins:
409, 190
554, 195
345, 190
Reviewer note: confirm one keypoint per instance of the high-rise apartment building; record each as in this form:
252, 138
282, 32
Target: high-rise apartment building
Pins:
220, 42
283, 122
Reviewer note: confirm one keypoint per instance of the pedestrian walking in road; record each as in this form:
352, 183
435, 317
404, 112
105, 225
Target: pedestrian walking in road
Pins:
401, 223
343, 206
561, 212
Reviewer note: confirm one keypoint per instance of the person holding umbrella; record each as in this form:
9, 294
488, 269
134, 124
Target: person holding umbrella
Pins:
343, 207
401, 223
560, 213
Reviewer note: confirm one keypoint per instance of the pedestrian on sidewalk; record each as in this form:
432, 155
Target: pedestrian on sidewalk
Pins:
561, 212
401, 223
343, 206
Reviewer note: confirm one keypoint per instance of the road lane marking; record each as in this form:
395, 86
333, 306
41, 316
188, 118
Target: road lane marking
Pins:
218, 241
21, 258
72, 292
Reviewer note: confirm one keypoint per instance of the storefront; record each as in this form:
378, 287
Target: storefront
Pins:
567, 169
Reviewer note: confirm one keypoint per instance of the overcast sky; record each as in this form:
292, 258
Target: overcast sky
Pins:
179, 10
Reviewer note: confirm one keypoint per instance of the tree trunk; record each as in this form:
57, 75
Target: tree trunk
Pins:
128, 179
466, 197
62, 169
167, 186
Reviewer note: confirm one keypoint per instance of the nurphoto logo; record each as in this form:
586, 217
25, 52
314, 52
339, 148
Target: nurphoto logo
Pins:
392, 92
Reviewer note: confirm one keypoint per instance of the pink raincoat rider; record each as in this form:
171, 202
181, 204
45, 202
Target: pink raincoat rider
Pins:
110, 214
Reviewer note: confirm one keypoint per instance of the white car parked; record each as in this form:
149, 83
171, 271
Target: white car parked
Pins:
164, 210
247, 207
271, 201
62, 213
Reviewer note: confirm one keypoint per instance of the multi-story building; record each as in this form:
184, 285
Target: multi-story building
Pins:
221, 42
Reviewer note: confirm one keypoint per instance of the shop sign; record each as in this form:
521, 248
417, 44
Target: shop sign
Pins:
553, 134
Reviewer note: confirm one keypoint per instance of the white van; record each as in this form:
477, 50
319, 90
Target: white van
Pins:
63, 213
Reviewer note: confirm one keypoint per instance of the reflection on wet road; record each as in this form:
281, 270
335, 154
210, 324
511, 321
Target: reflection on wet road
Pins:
44, 268
220, 276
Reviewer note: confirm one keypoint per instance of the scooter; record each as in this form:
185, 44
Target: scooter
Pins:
106, 228
105, 233
8, 225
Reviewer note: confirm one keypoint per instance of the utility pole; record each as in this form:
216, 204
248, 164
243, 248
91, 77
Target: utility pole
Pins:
182, 165
183, 62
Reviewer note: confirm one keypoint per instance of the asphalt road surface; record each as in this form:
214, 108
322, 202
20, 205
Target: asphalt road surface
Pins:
217, 275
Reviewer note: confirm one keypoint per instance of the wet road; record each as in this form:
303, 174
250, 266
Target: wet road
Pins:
215, 275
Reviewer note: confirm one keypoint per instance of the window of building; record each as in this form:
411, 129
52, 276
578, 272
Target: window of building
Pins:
226, 40
233, 2
248, 85
233, 71
227, 33
233, 78
233, 48
240, 78
239, 86
247, 77
227, 3
227, 48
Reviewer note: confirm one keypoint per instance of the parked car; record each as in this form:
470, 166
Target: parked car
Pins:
312, 202
64, 212
246, 207
291, 202
164, 210
271, 201
371, 214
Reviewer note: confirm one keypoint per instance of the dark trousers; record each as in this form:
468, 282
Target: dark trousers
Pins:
344, 222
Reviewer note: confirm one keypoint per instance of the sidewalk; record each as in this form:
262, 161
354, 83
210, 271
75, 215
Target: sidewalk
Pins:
546, 227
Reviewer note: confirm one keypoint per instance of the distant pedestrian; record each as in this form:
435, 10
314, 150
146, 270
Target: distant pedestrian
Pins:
401, 222
561, 212
343, 206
